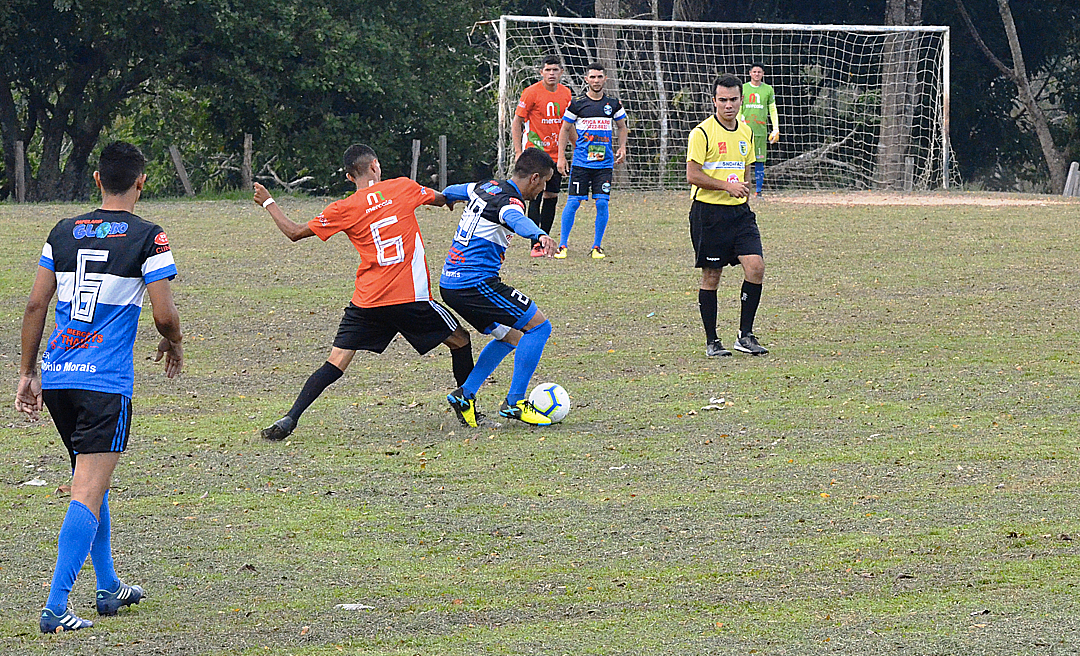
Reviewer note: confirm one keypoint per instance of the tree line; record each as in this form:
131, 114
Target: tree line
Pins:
306, 79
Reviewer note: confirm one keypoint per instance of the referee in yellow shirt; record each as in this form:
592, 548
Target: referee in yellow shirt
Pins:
719, 160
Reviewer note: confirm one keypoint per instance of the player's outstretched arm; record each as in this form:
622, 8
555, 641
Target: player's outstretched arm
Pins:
294, 231
167, 320
28, 394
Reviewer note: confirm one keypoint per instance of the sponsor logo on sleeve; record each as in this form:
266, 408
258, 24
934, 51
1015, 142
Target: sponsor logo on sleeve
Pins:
518, 203
161, 239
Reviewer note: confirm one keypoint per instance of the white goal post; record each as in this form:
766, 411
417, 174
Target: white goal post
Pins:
860, 106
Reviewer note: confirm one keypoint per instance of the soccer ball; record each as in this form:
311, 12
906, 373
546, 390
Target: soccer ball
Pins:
551, 400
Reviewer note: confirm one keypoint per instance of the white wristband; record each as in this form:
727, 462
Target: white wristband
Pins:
267, 202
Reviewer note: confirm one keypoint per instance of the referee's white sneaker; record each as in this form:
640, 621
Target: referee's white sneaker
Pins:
748, 344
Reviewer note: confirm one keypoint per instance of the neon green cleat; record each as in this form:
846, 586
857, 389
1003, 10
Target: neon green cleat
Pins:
598, 253
463, 407
561, 253
524, 411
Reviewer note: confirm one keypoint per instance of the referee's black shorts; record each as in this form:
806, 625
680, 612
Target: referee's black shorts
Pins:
425, 324
721, 233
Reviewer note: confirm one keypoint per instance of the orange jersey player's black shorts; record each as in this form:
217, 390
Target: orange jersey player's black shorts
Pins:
721, 233
424, 324
89, 421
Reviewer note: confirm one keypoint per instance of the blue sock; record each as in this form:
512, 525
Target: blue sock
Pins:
601, 219
101, 550
494, 353
72, 547
529, 350
759, 175
566, 223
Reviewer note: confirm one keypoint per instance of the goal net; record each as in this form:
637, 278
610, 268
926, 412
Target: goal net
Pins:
860, 107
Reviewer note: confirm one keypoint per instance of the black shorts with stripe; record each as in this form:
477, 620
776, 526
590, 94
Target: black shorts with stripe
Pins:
721, 233
424, 324
584, 180
89, 421
490, 304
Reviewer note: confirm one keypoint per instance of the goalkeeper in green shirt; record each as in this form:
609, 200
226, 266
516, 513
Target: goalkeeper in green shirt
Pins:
759, 103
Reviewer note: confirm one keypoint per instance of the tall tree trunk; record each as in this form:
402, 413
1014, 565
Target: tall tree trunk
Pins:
1055, 161
897, 88
9, 131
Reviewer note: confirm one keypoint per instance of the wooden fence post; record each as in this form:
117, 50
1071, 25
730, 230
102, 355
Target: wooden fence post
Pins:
245, 165
442, 162
20, 172
1072, 183
415, 158
174, 152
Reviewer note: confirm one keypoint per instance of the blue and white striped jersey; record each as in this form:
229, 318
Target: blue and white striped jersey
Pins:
494, 211
102, 261
594, 121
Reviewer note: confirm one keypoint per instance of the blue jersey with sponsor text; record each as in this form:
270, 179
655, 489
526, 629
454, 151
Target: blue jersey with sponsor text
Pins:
594, 121
102, 261
495, 209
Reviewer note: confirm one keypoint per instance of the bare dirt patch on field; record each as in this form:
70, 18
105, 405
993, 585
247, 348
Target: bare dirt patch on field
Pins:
927, 199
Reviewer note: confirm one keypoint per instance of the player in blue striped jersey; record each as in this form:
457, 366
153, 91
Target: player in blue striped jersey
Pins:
470, 282
591, 121
99, 265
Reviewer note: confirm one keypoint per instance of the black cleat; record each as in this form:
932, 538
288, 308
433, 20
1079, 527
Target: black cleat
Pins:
715, 348
280, 429
748, 344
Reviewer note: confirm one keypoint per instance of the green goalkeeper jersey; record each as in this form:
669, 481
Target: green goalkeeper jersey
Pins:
759, 103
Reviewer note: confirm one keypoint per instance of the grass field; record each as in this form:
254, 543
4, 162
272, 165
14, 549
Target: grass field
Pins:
899, 475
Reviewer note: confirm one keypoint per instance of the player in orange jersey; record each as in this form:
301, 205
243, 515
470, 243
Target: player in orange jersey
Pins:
542, 106
393, 286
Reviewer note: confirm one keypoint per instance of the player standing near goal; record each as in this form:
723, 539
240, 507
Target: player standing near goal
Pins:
99, 265
722, 226
592, 119
759, 104
393, 286
470, 283
542, 106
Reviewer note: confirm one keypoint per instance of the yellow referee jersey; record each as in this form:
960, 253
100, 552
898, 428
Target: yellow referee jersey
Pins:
723, 154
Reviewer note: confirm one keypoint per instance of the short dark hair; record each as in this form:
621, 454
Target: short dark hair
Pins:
357, 158
754, 65
533, 160
551, 60
119, 166
595, 66
728, 81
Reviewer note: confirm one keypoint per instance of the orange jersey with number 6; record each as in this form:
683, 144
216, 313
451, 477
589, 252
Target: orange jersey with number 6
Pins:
381, 223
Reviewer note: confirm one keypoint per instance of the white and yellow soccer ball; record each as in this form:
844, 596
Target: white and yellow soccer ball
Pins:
551, 400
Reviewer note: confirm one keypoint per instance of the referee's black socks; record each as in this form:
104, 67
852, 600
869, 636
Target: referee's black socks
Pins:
706, 300
751, 298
